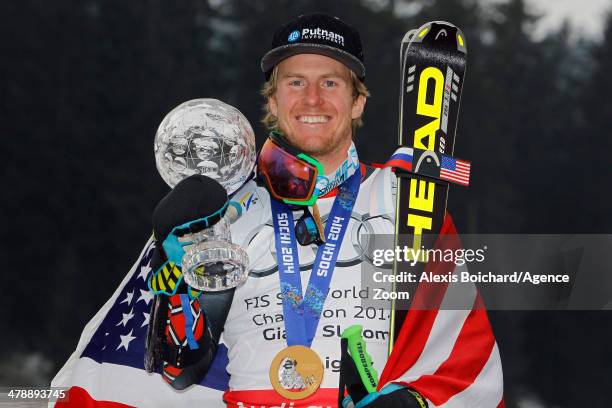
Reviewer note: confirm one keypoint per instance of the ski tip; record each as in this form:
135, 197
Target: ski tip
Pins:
408, 36
442, 34
404, 46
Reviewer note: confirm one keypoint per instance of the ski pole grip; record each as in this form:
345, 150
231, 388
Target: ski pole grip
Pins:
361, 358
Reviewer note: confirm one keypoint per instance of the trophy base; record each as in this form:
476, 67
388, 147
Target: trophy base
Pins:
213, 266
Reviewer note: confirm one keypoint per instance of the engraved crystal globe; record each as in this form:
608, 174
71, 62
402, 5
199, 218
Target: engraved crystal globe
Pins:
208, 137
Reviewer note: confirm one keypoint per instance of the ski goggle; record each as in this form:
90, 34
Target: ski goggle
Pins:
290, 175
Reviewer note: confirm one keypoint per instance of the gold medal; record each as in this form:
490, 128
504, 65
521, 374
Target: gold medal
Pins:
296, 372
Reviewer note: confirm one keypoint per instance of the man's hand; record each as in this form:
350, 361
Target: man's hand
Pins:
359, 379
392, 396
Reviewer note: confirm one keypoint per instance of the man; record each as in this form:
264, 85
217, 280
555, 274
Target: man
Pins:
275, 330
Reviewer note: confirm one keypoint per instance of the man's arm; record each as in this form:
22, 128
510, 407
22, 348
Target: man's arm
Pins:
169, 351
185, 325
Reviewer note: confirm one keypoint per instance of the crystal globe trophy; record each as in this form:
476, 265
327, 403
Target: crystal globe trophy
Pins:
210, 138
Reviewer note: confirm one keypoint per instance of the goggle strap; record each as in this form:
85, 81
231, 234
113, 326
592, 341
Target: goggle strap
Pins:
317, 218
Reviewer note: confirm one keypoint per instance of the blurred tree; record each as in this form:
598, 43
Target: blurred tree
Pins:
592, 142
89, 85
498, 133
567, 356
567, 353
513, 126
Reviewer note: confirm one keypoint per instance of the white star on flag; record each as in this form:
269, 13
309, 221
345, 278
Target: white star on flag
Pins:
125, 341
145, 295
144, 272
146, 319
128, 298
126, 318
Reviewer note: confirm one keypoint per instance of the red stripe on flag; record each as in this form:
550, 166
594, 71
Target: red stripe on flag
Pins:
402, 164
453, 177
455, 173
418, 324
470, 354
323, 397
409, 344
458, 172
79, 398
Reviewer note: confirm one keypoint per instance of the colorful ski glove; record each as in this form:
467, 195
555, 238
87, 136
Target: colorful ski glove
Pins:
391, 396
180, 344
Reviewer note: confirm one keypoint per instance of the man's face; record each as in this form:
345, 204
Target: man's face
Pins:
314, 104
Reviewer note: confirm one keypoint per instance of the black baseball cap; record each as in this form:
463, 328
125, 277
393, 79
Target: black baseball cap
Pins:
316, 33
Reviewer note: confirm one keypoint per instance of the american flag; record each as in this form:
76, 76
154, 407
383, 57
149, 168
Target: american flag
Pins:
446, 349
456, 171
108, 364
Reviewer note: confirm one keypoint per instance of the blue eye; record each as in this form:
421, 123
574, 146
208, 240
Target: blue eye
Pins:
295, 82
329, 83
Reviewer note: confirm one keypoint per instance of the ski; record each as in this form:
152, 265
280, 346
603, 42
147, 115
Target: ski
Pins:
433, 67
403, 48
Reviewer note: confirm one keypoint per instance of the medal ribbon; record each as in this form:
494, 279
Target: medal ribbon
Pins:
326, 183
302, 313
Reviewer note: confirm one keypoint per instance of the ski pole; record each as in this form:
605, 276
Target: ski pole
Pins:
361, 358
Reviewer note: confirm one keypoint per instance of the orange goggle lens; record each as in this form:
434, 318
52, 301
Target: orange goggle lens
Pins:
287, 177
